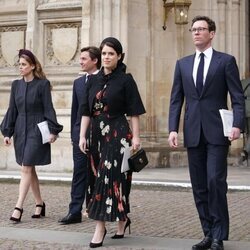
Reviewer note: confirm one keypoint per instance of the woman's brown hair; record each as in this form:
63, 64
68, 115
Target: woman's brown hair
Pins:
31, 59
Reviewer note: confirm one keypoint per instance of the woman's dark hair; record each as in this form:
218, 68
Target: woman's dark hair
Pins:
32, 60
210, 22
94, 53
115, 44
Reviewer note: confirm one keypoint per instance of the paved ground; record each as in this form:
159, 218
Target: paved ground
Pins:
163, 214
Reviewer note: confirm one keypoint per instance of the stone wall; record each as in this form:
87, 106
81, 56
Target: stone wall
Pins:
55, 30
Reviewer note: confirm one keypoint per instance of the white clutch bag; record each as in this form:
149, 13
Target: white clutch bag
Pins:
44, 129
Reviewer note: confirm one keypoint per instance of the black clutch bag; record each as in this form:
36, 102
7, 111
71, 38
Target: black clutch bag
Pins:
138, 160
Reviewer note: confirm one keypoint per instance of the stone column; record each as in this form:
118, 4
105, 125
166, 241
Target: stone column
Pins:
119, 23
32, 32
235, 22
221, 34
86, 23
96, 21
107, 18
151, 79
121, 29
244, 39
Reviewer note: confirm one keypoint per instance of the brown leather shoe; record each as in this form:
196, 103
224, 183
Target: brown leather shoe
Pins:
203, 245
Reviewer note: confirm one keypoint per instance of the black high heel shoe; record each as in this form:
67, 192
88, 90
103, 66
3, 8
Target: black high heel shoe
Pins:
37, 216
95, 245
120, 236
17, 219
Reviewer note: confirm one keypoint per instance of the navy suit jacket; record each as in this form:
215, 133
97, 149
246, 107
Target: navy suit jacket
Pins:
79, 87
203, 111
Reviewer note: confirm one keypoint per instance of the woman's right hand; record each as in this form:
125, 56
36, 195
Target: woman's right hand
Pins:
83, 144
7, 141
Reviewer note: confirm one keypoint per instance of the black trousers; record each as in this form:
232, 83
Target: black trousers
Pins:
208, 173
79, 180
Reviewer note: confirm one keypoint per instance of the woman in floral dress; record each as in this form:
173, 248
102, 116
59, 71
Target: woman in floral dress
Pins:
112, 95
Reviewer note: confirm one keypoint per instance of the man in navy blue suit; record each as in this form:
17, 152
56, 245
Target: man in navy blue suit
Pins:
204, 82
90, 61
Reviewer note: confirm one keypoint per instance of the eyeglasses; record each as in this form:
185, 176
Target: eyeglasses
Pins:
199, 30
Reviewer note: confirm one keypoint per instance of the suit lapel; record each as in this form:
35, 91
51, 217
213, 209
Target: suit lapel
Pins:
82, 82
84, 79
212, 69
189, 68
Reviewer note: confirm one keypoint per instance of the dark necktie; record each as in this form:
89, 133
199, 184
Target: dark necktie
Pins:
87, 78
199, 78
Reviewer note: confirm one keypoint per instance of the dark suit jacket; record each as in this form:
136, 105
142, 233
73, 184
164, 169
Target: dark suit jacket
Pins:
222, 78
79, 88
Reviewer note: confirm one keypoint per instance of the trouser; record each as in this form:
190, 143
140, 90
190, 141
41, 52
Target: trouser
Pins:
79, 180
208, 173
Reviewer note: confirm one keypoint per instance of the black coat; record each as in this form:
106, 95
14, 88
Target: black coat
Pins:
30, 103
122, 96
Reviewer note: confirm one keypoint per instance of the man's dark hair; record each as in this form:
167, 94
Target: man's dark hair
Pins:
94, 53
210, 22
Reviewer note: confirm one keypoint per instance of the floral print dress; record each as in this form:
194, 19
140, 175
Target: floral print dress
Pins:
109, 138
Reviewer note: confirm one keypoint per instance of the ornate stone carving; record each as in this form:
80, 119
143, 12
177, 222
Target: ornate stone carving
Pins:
64, 42
11, 40
66, 50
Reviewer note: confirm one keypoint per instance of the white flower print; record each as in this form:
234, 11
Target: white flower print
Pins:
105, 130
101, 125
107, 164
124, 198
125, 144
122, 150
106, 179
108, 211
115, 163
109, 201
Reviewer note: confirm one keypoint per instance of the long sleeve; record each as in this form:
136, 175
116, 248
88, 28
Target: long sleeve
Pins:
134, 105
236, 93
8, 124
176, 100
49, 111
74, 109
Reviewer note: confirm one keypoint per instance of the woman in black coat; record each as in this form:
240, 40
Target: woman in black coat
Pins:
30, 103
112, 95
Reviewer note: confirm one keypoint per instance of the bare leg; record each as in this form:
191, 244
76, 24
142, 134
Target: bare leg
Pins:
99, 232
121, 226
36, 190
23, 188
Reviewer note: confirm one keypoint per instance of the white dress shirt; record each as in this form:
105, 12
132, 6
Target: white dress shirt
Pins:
87, 75
207, 59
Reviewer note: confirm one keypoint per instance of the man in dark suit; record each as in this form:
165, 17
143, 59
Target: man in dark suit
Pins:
204, 82
90, 61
